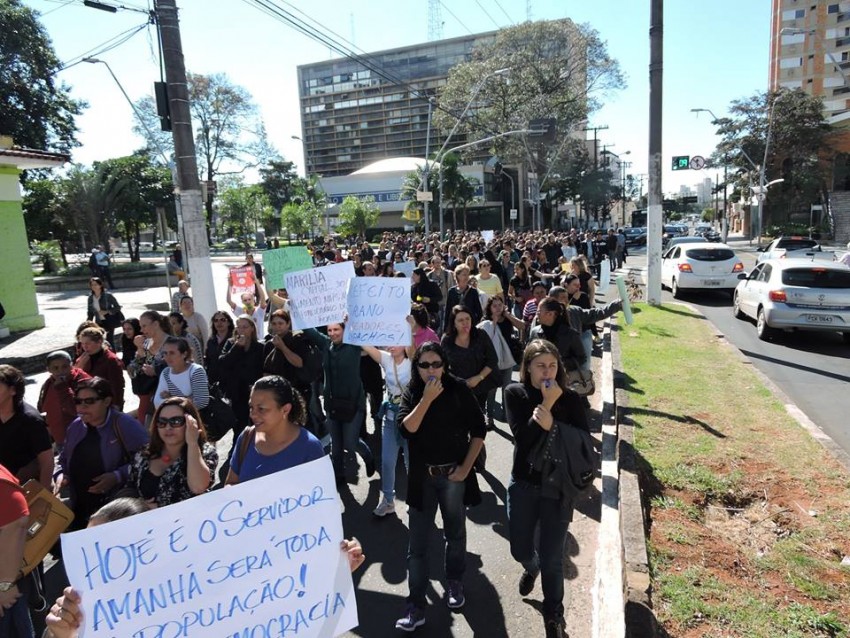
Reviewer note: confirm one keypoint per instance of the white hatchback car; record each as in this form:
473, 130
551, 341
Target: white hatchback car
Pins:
802, 294
700, 266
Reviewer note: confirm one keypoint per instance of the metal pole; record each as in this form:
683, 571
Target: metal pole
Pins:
194, 223
440, 189
426, 173
655, 205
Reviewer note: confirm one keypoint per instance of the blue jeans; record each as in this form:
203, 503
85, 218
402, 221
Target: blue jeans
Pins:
587, 342
504, 379
16, 621
391, 442
449, 495
526, 510
347, 435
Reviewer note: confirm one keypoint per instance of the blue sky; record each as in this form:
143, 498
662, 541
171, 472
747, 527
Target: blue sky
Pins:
715, 51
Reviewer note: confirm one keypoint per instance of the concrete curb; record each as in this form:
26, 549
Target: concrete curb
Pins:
637, 584
640, 617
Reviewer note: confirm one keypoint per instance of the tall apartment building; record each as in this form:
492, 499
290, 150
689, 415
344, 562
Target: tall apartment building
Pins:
810, 50
353, 115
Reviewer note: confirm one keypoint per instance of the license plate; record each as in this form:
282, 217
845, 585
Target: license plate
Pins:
710, 282
819, 318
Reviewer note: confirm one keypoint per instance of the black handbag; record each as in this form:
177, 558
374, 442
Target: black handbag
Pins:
218, 416
342, 410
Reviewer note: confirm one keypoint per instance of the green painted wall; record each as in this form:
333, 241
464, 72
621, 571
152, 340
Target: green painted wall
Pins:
17, 288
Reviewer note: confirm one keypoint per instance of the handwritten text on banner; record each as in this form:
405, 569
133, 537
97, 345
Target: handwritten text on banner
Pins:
377, 311
280, 261
317, 296
257, 559
242, 280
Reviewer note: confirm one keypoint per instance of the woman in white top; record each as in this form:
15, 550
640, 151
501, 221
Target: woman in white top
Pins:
397, 371
488, 283
181, 378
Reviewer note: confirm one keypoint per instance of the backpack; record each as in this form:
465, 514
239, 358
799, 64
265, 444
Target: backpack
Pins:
312, 368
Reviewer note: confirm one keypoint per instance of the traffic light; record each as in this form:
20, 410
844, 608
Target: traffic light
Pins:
681, 162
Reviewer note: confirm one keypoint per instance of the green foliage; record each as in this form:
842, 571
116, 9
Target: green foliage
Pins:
557, 69
357, 215
50, 255
245, 209
799, 132
299, 219
707, 215
35, 110
280, 182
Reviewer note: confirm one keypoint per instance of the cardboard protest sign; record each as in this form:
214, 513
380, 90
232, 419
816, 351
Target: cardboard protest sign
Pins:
242, 280
317, 296
407, 267
280, 261
257, 559
604, 277
377, 311
487, 235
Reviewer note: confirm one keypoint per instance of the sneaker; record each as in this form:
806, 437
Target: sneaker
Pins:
454, 595
413, 617
385, 507
556, 627
526, 582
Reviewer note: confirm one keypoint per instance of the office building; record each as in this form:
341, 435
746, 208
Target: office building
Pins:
354, 113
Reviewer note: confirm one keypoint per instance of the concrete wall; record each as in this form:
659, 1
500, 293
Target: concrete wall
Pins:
17, 289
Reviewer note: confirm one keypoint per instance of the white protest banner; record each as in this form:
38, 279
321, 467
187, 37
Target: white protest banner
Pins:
377, 311
257, 559
242, 280
317, 296
280, 261
487, 235
604, 277
407, 267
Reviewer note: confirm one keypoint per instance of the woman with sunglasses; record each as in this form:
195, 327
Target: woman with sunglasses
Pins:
221, 329
99, 447
179, 462
445, 431
534, 406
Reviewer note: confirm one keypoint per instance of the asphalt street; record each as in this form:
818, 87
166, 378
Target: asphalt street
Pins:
812, 369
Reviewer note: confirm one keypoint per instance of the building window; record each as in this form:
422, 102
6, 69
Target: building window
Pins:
833, 8
793, 14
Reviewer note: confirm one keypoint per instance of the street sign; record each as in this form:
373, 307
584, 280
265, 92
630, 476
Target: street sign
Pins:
424, 196
513, 213
689, 199
697, 162
681, 162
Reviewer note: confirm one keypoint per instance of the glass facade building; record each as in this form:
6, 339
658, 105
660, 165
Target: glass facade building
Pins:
355, 112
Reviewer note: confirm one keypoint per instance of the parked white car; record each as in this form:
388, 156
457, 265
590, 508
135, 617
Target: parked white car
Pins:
798, 294
700, 266
790, 246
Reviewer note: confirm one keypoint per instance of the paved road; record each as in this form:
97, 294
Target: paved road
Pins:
813, 369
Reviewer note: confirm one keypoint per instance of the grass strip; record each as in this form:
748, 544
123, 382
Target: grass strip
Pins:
748, 517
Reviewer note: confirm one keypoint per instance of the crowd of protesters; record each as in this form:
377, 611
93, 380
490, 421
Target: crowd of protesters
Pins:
481, 309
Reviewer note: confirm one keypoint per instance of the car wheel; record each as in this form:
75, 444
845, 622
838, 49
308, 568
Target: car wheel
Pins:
846, 336
674, 288
764, 331
736, 306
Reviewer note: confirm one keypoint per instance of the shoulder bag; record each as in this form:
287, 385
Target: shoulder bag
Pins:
579, 381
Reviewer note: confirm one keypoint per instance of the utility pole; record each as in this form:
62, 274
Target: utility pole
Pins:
196, 248
654, 212
595, 130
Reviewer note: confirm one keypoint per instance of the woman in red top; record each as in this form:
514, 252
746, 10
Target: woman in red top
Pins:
98, 361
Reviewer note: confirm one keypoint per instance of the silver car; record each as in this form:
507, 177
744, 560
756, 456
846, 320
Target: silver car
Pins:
795, 294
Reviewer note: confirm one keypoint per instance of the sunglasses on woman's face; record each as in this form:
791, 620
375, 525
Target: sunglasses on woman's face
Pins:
87, 400
424, 365
171, 422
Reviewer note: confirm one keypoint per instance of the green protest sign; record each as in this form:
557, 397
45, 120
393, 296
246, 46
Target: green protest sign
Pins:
280, 261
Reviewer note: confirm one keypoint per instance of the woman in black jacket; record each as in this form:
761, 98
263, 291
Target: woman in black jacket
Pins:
221, 330
463, 295
471, 353
534, 406
554, 326
426, 292
445, 432
104, 309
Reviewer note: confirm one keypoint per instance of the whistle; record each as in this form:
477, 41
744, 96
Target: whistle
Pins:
547, 383
432, 378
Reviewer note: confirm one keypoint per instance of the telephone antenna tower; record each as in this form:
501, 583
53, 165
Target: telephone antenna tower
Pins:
435, 21
529, 14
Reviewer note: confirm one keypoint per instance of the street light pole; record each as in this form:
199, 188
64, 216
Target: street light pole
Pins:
724, 222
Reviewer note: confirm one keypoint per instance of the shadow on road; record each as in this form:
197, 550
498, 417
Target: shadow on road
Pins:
796, 366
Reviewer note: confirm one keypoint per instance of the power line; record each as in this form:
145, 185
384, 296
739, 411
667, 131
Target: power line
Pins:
451, 13
478, 2
100, 49
499, 4
55, 9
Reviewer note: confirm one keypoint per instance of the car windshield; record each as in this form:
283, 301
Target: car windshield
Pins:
709, 254
816, 278
796, 244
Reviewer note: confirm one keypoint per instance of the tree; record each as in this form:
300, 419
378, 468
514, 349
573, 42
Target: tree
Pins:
89, 196
245, 209
229, 133
299, 219
556, 69
356, 215
280, 182
582, 180
35, 110
43, 214
799, 139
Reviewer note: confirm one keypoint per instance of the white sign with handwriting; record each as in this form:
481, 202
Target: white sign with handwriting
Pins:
317, 296
257, 559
